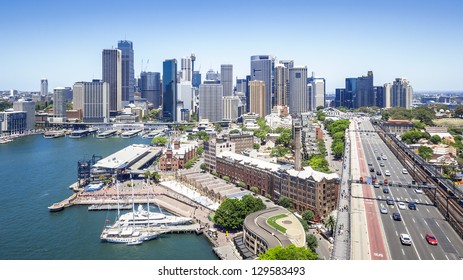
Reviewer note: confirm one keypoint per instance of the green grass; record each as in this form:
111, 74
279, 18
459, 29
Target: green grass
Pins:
272, 222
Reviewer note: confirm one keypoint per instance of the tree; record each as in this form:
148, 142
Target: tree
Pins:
254, 189
458, 112
200, 150
159, 141
435, 139
231, 212
425, 152
321, 107
424, 114
241, 184
319, 163
226, 178
285, 202
330, 222
252, 204
255, 146
285, 138
312, 242
203, 166
308, 215
218, 127
337, 148
290, 252
412, 136
279, 151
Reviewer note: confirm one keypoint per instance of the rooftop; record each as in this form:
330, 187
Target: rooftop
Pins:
124, 157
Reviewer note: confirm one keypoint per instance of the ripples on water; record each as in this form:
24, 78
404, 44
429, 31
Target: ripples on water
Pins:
36, 172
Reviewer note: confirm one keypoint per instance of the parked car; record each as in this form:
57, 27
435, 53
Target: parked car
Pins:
372, 169
384, 157
378, 158
381, 164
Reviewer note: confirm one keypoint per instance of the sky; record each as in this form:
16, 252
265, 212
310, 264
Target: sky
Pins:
62, 41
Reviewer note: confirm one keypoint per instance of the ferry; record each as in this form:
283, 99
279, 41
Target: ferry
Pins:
79, 133
54, 134
107, 134
153, 134
130, 133
5, 140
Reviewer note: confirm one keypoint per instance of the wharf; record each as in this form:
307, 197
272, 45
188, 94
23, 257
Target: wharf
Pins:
105, 207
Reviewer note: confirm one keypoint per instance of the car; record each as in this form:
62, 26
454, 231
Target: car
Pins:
381, 164
389, 201
401, 205
370, 164
378, 158
396, 216
376, 185
412, 205
383, 209
404, 171
418, 190
378, 172
431, 239
384, 157
405, 239
372, 169
385, 190
387, 173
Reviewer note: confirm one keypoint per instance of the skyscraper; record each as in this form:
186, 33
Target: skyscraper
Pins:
230, 107
186, 68
349, 93
92, 98
387, 95
280, 81
128, 77
44, 87
288, 64
401, 93
262, 70
112, 74
226, 79
363, 95
257, 98
318, 89
380, 97
59, 102
298, 97
27, 106
169, 90
151, 87
210, 101
196, 80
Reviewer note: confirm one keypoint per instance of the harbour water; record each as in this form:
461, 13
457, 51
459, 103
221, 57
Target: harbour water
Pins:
36, 172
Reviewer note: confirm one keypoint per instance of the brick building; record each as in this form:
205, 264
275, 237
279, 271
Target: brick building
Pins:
176, 157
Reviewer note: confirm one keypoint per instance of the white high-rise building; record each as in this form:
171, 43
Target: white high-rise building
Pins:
401, 93
44, 87
92, 98
226, 79
185, 93
318, 92
59, 103
298, 97
387, 95
186, 69
230, 107
210, 101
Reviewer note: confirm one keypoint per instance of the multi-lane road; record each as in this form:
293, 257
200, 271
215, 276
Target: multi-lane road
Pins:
426, 219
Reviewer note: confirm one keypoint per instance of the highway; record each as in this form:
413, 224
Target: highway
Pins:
417, 223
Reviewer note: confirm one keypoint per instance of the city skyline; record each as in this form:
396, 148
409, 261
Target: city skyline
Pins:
63, 41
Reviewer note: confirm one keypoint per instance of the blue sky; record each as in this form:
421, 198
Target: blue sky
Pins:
62, 40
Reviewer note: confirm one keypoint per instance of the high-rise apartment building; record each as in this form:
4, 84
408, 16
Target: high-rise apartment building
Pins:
169, 90
150, 87
226, 79
27, 106
401, 93
211, 101
318, 91
380, 98
112, 74
44, 87
59, 102
288, 64
262, 70
387, 95
92, 98
257, 97
128, 76
298, 97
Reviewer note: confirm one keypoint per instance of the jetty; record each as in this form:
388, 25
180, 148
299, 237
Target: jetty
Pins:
107, 207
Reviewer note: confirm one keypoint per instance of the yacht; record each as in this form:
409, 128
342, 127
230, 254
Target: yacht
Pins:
144, 218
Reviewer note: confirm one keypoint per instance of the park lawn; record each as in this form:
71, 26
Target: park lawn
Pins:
272, 222
448, 122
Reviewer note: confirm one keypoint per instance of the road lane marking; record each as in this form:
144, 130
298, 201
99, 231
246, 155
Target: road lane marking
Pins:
403, 253
432, 256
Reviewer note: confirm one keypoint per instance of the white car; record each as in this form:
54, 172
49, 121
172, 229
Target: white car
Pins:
401, 205
387, 173
418, 190
405, 239
383, 209
404, 171
384, 157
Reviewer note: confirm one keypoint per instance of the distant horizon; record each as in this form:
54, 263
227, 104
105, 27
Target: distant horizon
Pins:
63, 41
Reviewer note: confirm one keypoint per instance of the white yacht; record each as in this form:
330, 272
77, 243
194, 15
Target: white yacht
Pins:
144, 218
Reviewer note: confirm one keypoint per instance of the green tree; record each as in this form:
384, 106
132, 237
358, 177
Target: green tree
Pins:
285, 202
218, 127
425, 152
241, 185
321, 107
229, 215
337, 148
319, 163
285, 138
308, 215
279, 151
203, 166
412, 136
159, 141
255, 146
252, 204
458, 113
330, 223
200, 150
226, 178
312, 242
254, 189
435, 139
290, 252
202, 135
424, 114
4, 104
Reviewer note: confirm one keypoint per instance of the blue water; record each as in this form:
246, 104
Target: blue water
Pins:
36, 172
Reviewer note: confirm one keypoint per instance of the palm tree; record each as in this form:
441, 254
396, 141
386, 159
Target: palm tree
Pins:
330, 222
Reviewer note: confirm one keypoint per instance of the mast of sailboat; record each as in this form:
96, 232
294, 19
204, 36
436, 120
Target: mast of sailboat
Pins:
133, 202
148, 198
118, 206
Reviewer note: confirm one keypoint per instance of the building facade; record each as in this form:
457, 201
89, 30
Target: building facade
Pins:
298, 97
92, 99
257, 98
226, 79
151, 87
262, 70
169, 90
128, 75
44, 87
177, 156
27, 106
230, 107
214, 147
112, 74
59, 102
280, 84
13, 122
401, 93
211, 101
